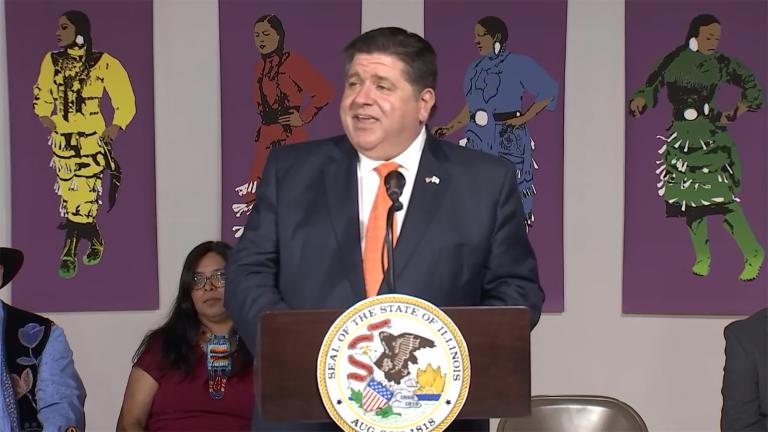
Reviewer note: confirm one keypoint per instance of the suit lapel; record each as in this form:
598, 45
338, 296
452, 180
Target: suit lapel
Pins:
341, 190
425, 199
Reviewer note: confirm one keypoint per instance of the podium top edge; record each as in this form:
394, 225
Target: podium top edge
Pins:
340, 311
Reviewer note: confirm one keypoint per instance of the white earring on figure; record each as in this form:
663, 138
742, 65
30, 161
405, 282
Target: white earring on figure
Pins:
496, 48
79, 40
693, 44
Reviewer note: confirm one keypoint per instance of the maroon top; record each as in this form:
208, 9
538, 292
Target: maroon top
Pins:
184, 404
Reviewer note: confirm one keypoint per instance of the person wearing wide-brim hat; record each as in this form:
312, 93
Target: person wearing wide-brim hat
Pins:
11, 261
47, 393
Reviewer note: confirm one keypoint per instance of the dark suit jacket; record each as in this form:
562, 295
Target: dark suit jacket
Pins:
745, 376
462, 243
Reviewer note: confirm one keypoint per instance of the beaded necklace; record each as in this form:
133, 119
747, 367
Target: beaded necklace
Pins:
219, 351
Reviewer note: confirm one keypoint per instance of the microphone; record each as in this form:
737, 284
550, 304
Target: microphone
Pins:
394, 182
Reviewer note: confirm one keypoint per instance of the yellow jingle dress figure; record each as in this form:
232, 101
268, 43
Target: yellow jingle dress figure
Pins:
66, 99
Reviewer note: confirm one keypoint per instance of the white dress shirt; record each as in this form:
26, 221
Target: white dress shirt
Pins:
368, 182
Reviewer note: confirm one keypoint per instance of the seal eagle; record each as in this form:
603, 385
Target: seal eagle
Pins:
399, 353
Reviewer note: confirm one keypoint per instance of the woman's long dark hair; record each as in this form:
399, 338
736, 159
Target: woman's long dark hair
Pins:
274, 22
495, 26
697, 23
694, 27
271, 73
82, 28
179, 335
82, 25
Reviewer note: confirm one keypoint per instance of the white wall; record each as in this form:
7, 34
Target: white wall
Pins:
668, 368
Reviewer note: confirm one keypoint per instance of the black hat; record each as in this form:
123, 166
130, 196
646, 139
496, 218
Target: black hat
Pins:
11, 260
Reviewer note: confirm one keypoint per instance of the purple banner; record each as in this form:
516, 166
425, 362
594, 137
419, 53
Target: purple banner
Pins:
281, 81
82, 128
696, 209
492, 80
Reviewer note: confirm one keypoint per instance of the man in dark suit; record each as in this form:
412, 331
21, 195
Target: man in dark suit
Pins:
745, 375
311, 234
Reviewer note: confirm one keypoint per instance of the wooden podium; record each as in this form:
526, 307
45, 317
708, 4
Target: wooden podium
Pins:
498, 340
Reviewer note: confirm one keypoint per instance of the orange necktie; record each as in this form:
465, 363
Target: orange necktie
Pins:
375, 232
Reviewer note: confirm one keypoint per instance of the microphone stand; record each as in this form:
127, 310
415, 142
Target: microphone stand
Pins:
389, 270
394, 182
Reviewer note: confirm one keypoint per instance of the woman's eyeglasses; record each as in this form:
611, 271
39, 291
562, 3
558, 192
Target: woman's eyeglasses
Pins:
218, 279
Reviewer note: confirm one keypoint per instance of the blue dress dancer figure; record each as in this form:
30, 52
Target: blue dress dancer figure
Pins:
494, 87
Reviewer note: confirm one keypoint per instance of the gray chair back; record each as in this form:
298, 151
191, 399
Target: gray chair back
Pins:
572, 413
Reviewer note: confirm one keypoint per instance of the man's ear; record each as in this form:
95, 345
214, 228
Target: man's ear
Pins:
426, 102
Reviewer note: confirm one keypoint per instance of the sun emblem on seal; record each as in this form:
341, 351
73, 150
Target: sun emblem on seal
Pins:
393, 363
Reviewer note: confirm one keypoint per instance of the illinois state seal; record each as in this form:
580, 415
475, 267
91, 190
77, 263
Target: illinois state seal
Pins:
393, 363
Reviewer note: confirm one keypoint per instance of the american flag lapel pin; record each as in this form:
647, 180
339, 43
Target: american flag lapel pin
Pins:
432, 179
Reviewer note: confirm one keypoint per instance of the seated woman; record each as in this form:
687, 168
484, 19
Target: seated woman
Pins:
192, 373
